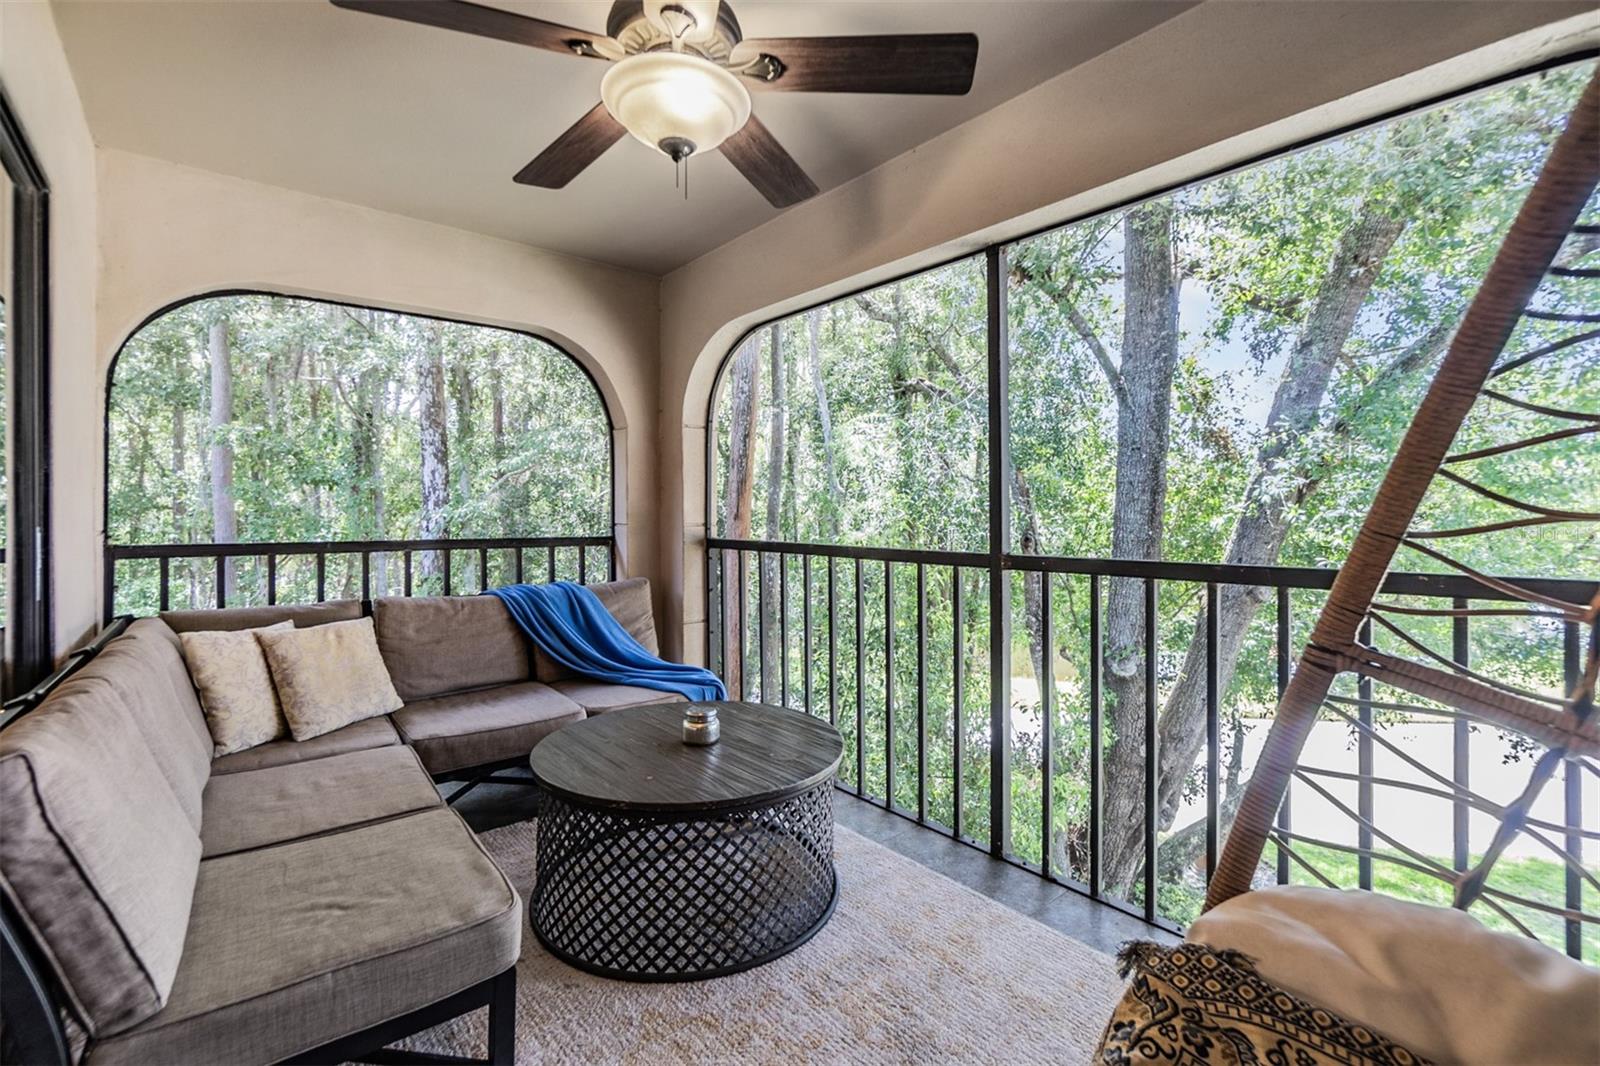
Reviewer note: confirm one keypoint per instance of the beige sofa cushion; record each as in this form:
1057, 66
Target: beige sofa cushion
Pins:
303, 615
598, 697
259, 808
137, 668
1431, 978
439, 644
328, 676
235, 687
629, 603
293, 946
357, 736
487, 726
96, 853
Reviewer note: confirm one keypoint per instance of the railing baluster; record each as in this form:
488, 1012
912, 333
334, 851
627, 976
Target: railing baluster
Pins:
833, 642
407, 555
714, 651
1151, 763
742, 563
1282, 641
165, 595
783, 628
805, 629
1096, 754
583, 564
517, 562
888, 685
448, 589
1047, 708
922, 693
1572, 793
322, 577
272, 578
1364, 769
550, 564
1461, 743
366, 575
861, 693
1213, 731
958, 696
222, 581
483, 569
761, 624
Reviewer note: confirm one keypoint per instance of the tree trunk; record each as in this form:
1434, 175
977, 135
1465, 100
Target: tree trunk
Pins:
777, 434
1259, 531
463, 445
434, 444
1144, 389
830, 520
738, 495
224, 512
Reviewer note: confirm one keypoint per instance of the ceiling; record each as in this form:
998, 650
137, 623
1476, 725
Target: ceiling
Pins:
433, 124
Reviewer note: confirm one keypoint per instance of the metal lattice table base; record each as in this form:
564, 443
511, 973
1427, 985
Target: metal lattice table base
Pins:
674, 898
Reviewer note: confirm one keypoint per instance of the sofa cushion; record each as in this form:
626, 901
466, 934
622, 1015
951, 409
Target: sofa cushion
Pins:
328, 676
303, 615
135, 667
487, 726
629, 603
1432, 978
598, 697
96, 853
439, 644
258, 808
292, 946
235, 687
358, 736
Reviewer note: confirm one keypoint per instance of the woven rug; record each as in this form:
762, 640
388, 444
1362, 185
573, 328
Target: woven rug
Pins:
913, 968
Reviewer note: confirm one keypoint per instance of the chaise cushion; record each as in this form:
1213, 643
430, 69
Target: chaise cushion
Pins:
358, 736
328, 676
629, 603
1433, 978
487, 726
259, 808
598, 697
292, 946
303, 615
435, 645
96, 853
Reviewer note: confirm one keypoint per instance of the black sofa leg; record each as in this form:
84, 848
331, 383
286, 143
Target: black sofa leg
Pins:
503, 1019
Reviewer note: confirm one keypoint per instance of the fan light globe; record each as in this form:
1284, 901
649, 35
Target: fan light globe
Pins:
672, 97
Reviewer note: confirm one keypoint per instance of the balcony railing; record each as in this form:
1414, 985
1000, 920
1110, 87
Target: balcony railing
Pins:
140, 578
1026, 779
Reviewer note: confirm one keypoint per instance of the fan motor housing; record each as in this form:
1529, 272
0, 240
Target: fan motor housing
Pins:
631, 28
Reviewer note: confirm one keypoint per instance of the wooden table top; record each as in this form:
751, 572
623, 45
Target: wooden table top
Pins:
635, 758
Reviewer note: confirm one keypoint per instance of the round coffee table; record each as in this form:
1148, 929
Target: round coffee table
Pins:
661, 861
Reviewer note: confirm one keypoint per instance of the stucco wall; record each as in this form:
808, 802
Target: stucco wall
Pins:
1220, 83
34, 73
168, 232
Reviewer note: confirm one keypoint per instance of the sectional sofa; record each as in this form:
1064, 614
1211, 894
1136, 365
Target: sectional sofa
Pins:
296, 901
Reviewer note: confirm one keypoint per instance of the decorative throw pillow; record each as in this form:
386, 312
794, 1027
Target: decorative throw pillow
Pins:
235, 687
329, 676
1192, 1005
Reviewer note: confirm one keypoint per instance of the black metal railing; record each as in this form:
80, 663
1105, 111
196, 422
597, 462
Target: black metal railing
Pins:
750, 589
139, 578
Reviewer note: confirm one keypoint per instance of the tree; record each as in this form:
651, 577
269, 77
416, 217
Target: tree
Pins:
738, 494
435, 466
224, 515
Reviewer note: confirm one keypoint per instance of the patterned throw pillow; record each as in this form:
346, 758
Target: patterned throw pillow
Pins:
235, 688
329, 676
1195, 1006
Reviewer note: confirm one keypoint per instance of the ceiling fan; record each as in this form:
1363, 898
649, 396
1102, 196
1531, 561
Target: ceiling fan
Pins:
682, 77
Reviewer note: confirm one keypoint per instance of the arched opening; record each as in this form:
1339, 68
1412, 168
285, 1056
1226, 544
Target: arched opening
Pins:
269, 448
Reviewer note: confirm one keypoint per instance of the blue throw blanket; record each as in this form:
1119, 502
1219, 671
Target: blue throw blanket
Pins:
572, 626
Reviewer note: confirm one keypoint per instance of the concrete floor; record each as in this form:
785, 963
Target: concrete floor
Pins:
1096, 924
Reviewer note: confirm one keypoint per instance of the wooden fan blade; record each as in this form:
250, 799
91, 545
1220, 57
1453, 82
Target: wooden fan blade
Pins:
584, 141
486, 22
939, 64
757, 155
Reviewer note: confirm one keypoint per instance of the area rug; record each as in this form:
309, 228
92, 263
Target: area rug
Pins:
913, 968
